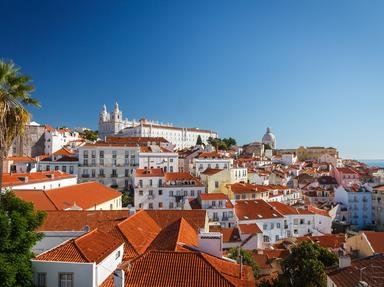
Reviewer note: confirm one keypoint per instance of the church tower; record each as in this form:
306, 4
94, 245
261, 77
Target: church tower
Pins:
269, 139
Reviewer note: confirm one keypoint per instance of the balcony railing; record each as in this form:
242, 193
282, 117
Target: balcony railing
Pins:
85, 175
113, 175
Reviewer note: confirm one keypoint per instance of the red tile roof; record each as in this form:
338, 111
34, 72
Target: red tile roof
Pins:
74, 220
152, 172
64, 152
318, 211
229, 234
15, 179
333, 241
211, 171
211, 155
249, 228
69, 196
255, 209
376, 239
21, 159
90, 247
40, 199
346, 170
284, 208
350, 276
185, 269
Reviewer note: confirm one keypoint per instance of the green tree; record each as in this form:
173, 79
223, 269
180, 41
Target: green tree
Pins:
305, 266
90, 135
229, 142
236, 253
15, 90
18, 220
199, 141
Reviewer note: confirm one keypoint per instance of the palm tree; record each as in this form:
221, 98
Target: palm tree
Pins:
15, 90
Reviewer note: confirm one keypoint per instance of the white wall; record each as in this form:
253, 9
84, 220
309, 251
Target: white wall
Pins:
48, 184
83, 273
109, 264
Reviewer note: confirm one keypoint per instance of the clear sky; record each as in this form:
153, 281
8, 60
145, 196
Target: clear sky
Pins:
312, 70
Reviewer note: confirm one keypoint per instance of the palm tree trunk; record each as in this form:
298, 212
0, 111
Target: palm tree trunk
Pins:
1, 168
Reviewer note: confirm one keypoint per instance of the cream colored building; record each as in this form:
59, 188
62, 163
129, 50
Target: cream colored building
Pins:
314, 153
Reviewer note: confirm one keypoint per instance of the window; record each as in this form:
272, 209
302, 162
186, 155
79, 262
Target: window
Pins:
101, 154
277, 238
278, 225
85, 162
93, 153
160, 205
272, 225
295, 221
171, 205
150, 192
266, 238
140, 192
192, 193
302, 221
85, 154
56, 167
160, 192
265, 226
150, 182
114, 154
41, 280
126, 173
216, 184
126, 154
65, 279
220, 203
118, 253
101, 161
64, 168
141, 183
150, 205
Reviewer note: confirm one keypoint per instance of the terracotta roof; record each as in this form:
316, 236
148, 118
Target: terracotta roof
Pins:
211, 155
249, 228
318, 211
64, 152
211, 171
350, 276
15, 179
346, 170
152, 172
178, 232
74, 220
185, 269
276, 253
173, 176
284, 208
21, 159
242, 187
255, 209
90, 247
376, 240
69, 196
333, 241
262, 261
229, 234
40, 199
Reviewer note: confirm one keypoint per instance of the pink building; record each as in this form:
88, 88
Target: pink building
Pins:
346, 176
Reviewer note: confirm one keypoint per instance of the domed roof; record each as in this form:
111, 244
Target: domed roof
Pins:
269, 136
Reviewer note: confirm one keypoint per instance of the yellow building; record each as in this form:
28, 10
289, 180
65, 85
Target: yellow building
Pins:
314, 153
216, 180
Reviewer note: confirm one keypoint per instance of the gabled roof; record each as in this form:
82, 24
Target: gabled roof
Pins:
249, 228
351, 276
255, 209
185, 269
84, 195
90, 247
211, 171
64, 152
229, 234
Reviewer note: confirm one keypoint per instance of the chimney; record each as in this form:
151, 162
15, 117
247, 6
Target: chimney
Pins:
344, 261
118, 278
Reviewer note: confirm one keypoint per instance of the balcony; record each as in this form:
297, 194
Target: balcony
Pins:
85, 175
285, 226
114, 175
101, 175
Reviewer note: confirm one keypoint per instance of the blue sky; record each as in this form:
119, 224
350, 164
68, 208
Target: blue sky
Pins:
311, 70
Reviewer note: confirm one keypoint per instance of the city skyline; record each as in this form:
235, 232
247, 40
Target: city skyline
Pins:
310, 71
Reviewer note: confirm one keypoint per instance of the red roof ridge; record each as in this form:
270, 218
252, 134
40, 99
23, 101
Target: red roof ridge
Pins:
76, 240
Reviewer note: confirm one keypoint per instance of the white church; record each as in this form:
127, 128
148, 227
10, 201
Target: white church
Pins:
113, 124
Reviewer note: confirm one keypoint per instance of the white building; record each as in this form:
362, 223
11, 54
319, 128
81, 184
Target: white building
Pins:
269, 139
64, 160
113, 124
219, 209
85, 261
277, 220
55, 139
155, 189
358, 201
38, 180
378, 207
19, 164
211, 160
